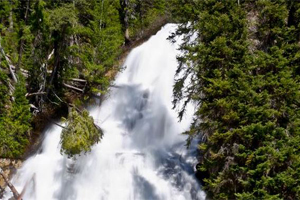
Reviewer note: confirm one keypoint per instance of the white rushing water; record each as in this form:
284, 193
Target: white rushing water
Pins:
142, 154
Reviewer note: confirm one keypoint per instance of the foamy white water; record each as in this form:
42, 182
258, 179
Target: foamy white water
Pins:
142, 154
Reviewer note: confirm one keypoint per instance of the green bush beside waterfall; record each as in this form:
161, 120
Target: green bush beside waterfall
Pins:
80, 134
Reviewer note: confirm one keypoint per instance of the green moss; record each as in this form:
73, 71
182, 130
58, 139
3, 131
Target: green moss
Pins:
80, 134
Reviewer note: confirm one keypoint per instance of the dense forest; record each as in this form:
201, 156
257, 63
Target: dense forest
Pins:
55, 54
240, 67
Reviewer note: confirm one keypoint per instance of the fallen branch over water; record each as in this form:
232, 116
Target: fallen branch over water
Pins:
11, 187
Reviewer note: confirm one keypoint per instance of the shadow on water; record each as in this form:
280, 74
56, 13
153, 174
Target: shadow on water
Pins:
177, 164
143, 189
67, 178
131, 105
141, 156
144, 120
146, 123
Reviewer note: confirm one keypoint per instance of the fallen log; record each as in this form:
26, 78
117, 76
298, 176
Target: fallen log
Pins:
74, 88
11, 187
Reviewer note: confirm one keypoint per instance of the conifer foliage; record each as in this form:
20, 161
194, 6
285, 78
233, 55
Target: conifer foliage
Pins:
242, 71
57, 52
80, 134
15, 122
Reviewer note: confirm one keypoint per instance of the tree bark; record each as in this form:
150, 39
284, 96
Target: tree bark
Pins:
74, 88
56, 63
35, 94
78, 80
42, 84
11, 187
125, 5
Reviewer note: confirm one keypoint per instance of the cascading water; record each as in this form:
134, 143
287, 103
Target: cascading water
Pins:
142, 154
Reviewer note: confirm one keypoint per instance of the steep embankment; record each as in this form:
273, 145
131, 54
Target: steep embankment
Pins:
142, 154
57, 54
243, 73
41, 121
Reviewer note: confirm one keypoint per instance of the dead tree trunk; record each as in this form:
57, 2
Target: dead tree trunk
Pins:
11, 187
56, 65
40, 99
16, 194
74, 88
125, 10
34, 94
9, 63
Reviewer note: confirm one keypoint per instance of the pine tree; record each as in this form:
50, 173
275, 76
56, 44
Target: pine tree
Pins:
66, 50
247, 95
16, 123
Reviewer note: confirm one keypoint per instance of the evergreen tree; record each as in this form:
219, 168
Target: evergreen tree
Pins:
247, 94
58, 52
15, 124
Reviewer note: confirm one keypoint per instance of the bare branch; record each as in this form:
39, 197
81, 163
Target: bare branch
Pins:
74, 88
59, 125
57, 97
34, 94
9, 63
33, 106
22, 70
78, 80
50, 55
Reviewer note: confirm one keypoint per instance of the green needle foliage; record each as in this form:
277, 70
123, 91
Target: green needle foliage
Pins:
80, 134
15, 121
67, 50
243, 69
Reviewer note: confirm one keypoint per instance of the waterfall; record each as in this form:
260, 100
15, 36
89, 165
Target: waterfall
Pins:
142, 154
